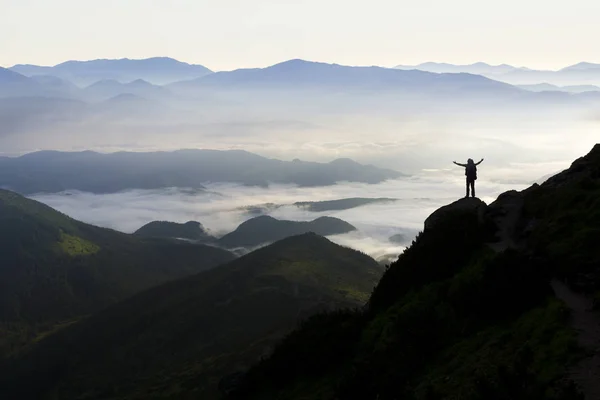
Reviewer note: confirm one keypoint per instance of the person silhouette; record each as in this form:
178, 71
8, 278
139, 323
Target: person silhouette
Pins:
471, 173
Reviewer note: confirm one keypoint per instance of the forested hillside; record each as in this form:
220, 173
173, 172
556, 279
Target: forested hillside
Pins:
55, 270
180, 339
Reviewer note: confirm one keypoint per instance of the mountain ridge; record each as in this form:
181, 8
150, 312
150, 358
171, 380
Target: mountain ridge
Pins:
160, 70
583, 73
305, 75
55, 171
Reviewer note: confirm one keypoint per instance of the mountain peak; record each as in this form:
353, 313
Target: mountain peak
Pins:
296, 64
344, 161
581, 66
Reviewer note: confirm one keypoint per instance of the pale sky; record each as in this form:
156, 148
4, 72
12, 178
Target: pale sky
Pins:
229, 34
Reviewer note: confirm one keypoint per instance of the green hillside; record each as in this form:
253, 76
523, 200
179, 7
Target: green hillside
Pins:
481, 306
54, 270
266, 229
179, 339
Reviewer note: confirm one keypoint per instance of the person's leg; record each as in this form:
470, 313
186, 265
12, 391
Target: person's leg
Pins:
467, 188
473, 188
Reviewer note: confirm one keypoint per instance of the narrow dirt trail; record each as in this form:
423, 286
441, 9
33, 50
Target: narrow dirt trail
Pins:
586, 322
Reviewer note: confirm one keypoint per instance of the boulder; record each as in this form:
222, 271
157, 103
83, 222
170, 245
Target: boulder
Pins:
465, 205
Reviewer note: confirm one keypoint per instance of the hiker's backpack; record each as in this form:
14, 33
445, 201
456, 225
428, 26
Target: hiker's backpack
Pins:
471, 171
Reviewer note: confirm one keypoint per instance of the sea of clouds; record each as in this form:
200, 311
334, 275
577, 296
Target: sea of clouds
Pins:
519, 148
221, 208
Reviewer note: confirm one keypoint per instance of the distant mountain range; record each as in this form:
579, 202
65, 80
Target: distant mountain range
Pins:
53, 171
110, 78
113, 77
542, 87
583, 73
479, 68
306, 75
164, 70
157, 70
34, 109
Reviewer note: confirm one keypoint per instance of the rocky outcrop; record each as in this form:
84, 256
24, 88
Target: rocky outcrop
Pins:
465, 205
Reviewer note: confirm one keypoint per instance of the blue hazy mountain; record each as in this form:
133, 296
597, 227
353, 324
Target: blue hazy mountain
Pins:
479, 68
544, 87
300, 74
15, 84
109, 88
582, 66
157, 70
583, 73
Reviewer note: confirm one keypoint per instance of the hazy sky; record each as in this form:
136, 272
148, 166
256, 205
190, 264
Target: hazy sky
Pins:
227, 34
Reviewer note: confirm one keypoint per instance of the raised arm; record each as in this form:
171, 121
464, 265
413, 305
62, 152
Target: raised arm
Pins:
479, 162
459, 164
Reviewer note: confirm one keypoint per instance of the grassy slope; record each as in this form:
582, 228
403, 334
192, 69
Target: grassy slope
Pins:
54, 269
180, 338
451, 319
563, 218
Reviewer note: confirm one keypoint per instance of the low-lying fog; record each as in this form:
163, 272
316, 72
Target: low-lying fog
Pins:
520, 145
220, 209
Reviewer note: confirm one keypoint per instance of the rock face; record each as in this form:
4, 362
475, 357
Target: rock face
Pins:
470, 204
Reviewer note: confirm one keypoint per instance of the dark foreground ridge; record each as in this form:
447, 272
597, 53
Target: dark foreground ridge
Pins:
468, 311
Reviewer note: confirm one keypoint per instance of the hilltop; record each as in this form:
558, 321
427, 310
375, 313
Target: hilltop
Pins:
55, 269
179, 339
190, 230
489, 302
266, 229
